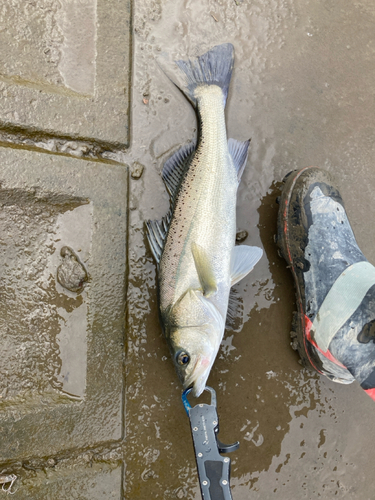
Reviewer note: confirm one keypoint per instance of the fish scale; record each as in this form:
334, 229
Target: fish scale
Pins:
194, 244
200, 209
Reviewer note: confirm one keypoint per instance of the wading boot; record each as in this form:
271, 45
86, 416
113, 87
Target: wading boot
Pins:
334, 327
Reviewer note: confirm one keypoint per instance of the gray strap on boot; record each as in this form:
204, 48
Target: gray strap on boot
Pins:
343, 299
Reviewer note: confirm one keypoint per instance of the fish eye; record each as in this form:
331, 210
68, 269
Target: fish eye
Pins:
183, 358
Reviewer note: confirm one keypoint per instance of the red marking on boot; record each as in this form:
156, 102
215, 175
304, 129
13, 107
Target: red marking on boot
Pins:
285, 217
371, 393
304, 341
327, 353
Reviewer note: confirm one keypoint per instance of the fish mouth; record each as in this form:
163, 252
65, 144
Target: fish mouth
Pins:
198, 378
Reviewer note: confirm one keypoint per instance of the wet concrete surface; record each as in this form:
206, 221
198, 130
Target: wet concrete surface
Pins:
64, 68
61, 363
303, 90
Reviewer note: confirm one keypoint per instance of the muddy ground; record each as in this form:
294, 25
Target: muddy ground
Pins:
303, 90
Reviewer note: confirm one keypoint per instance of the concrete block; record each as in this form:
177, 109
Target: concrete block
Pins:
63, 226
96, 482
65, 68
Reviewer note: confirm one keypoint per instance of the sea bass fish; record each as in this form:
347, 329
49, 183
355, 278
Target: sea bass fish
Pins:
194, 244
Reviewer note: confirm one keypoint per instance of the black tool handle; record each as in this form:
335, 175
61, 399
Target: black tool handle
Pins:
216, 475
213, 468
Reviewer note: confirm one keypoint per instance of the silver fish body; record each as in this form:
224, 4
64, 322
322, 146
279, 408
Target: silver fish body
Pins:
204, 212
196, 253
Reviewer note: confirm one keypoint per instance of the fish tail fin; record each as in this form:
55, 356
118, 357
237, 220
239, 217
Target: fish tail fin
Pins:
212, 68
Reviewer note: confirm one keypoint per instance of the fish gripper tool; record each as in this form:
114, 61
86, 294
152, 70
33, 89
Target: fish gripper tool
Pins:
213, 468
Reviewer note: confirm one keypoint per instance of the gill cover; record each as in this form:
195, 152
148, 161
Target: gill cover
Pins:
195, 331
192, 310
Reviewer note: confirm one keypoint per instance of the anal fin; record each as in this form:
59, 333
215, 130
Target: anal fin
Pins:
239, 151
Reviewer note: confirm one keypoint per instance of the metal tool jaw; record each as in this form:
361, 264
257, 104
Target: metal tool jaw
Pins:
213, 469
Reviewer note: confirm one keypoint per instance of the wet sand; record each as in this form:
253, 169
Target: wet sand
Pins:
303, 90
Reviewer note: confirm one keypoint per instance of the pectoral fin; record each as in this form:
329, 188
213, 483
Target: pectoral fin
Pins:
243, 260
204, 270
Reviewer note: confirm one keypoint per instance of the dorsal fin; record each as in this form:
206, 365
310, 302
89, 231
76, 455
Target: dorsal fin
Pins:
238, 151
156, 233
175, 168
173, 172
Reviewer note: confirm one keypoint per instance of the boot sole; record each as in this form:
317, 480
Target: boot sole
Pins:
297, 334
